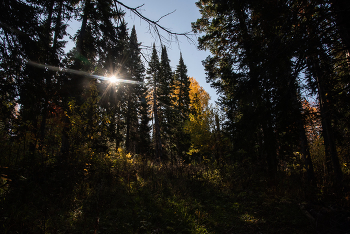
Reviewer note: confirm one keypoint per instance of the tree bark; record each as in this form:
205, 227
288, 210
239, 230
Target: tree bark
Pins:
57, 32
83, 27
306, 152
327, 129
128, 123
158, 141
47, 77
270, 141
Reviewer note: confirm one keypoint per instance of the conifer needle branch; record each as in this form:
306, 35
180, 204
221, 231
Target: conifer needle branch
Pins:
155, 25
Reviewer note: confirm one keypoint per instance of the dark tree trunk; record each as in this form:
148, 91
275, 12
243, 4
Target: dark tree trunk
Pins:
306, 153
128, 123
158, 142
270, 148
83, 27
47, 76
65, 147
327, 129
57, 33
218, 140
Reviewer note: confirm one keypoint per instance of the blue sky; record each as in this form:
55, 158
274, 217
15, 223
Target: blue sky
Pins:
180, 21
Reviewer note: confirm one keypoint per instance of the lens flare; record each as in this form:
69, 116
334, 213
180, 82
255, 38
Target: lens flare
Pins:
113, 79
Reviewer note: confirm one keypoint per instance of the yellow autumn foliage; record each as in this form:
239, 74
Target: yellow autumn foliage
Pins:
200, 118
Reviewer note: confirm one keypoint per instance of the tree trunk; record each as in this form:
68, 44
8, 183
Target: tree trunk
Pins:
254, 76
128, 123
83, 28
327, 130
270, 149
218, 140
47, 77
65, 147
57, 32
158, 142
306, 152
117, 135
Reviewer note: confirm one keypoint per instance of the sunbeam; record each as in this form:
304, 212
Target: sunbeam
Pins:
112, 79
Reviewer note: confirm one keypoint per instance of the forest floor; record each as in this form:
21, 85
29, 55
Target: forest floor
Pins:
130, 197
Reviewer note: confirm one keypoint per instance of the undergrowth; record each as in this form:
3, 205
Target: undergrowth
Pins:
125, 194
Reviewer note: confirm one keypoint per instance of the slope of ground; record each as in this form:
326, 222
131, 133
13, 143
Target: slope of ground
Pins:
126, 196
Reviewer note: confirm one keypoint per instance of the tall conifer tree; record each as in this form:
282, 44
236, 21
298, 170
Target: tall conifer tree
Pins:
136, 94
256, 80
182, 84
154, 83
166, 99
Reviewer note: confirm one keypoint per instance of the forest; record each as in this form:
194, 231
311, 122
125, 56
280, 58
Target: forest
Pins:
107, 137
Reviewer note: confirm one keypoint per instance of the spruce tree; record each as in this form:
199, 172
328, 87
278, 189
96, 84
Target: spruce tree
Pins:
136, 93
34, 43
101, 45
143, 140
166, 100
154, 83
182, 84
258, 84
18, 28
113, 62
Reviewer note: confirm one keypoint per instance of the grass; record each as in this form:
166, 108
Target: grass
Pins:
126, 196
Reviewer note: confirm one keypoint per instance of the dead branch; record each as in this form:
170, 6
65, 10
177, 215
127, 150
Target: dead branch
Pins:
154, 25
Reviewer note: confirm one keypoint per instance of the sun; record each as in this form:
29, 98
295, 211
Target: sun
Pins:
113, 79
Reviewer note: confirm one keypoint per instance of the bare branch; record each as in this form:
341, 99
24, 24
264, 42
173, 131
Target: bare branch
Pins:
154, 25
165, 15
139, 6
